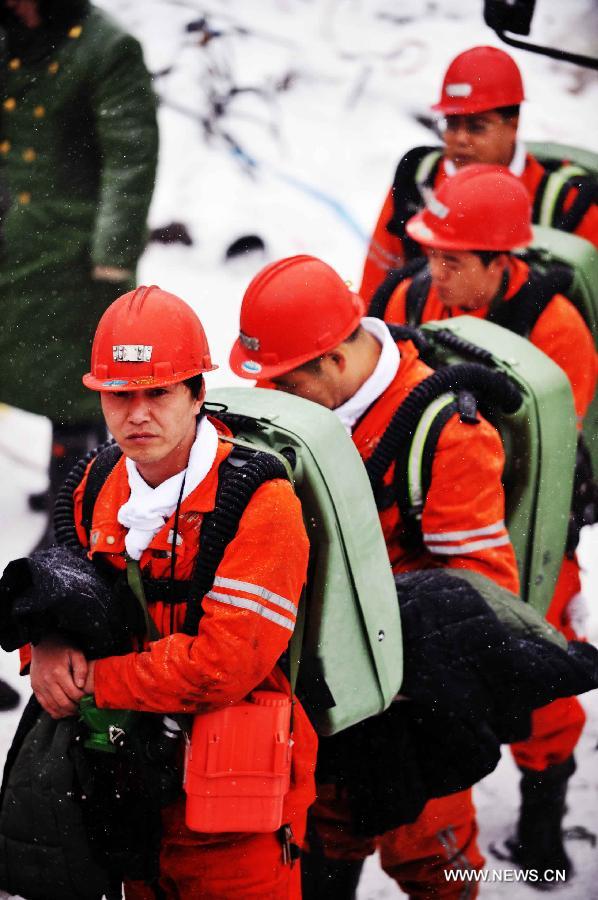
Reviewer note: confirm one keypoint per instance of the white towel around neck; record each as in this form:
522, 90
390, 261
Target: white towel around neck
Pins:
386, 369
148, 508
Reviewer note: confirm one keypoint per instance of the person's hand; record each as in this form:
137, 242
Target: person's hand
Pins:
58, 675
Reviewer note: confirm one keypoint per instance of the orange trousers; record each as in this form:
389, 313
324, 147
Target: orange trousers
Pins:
443, 837
416, 856
557, 727
219, 866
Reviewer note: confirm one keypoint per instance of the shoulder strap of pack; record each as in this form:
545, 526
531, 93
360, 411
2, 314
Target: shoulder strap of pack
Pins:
413, 465
553, 190
587, 196
520, 313
421, 451
412, 435
99, 471
393, 279
240, 477
413, 468
417, 294
416, 170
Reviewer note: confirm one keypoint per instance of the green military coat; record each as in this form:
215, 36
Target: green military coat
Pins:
78, 148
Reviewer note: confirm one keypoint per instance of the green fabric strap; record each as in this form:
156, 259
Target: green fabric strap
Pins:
415, 459
136, 584
425, 166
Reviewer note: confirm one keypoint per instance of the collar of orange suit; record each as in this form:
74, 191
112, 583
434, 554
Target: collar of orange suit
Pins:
386, 369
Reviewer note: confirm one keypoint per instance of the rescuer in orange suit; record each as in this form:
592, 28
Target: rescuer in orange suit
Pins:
468, 230
302, 331
479, 104
148, 360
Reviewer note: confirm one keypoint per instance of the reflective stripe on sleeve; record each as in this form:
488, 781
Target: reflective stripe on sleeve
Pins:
258, 591
461, 535
253, 606
471, 547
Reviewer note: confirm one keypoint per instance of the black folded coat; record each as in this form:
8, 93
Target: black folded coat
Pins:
471, 681
61, 591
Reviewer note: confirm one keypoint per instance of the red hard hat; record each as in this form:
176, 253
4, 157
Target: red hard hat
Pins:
478, 80
147, 338
481, 207
294, 310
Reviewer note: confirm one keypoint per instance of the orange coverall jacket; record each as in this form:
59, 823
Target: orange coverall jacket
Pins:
248, 619
385, 250
463, 519
463, 528
562, 334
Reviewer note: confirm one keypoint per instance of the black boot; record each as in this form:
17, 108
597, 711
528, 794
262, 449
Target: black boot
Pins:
329, 879
9, 698
538, 843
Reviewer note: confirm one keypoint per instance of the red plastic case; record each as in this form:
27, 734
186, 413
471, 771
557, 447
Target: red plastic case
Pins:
238, 765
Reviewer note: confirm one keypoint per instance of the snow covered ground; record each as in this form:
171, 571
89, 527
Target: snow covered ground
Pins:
302, 156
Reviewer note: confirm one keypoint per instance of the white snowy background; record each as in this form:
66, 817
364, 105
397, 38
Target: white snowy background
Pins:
303, 155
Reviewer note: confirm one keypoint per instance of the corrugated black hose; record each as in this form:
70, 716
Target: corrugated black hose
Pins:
494, 388
463, 347
64, 506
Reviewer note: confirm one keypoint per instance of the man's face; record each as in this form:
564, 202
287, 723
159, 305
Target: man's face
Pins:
481, 138
462, 279
151, 426
321, 385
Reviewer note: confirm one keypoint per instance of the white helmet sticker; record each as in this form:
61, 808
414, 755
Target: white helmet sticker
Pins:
131, 352
460, 89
